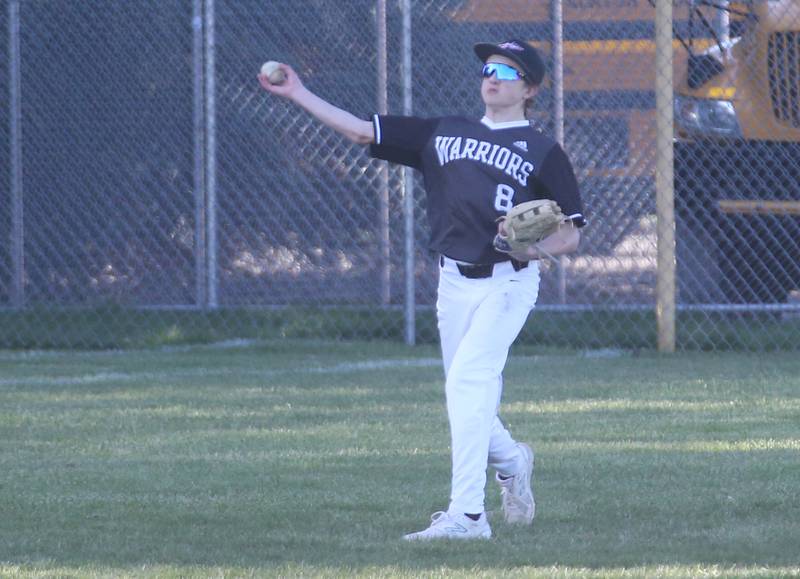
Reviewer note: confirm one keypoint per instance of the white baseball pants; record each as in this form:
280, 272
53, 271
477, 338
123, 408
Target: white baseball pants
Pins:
479, 319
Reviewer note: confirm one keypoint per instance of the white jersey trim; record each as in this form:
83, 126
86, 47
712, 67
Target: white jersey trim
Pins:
376, 127
504, 125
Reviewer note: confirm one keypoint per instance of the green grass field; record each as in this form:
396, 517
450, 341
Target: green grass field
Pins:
311, 459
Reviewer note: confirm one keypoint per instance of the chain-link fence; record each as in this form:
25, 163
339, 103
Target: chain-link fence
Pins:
151, 192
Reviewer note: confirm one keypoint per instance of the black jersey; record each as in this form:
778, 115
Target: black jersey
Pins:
474, 172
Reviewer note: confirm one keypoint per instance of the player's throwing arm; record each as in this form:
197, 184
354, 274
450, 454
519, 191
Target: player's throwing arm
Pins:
281, 80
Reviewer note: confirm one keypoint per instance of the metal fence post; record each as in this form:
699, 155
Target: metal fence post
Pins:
17, 207
383, 172
557, 16
200, 260
665, 187
211, 156
408, 187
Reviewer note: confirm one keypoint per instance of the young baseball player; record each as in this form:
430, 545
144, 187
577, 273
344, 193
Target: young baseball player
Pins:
475, 170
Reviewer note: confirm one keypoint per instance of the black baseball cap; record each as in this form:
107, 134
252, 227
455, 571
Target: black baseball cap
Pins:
522, 53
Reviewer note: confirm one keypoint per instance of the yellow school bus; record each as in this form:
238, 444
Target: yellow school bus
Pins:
737, 147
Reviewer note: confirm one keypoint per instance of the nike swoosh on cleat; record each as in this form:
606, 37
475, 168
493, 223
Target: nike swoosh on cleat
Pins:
458, 529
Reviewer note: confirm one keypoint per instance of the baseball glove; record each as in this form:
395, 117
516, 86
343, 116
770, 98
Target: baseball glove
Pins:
528, 223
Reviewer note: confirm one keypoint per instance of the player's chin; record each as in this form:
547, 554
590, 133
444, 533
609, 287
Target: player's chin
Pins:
490, 94
497, 100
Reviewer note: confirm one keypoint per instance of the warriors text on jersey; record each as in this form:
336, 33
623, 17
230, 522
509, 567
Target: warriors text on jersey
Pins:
502, 158
474, 172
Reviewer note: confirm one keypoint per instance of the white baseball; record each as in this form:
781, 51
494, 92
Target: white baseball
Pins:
271, 70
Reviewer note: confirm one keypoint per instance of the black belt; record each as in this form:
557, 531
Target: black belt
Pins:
483, 270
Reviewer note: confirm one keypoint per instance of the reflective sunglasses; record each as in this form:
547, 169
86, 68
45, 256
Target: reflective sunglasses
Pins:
503, 71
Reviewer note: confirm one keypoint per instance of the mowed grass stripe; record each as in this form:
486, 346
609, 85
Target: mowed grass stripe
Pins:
398, 572
106, 377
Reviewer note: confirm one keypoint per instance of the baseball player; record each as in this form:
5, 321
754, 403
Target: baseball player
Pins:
475, 171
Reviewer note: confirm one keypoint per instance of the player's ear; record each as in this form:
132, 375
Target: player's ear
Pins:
531, 90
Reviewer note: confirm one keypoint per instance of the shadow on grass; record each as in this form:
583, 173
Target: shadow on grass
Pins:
115, 326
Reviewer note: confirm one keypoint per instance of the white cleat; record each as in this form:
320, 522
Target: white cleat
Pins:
447, 526
517, 492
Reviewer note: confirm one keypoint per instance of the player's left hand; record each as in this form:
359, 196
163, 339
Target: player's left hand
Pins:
525, 225
527, 253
